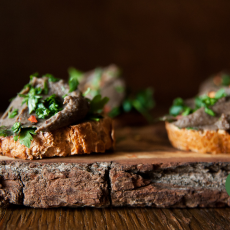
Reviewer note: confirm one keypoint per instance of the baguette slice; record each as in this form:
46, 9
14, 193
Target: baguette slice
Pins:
83, 138
203, 141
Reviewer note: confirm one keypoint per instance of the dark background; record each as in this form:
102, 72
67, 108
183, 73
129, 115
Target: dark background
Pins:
171, 45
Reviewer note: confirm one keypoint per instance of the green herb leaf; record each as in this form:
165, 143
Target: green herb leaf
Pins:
46, 88
187, 111
127, 105
97, 104
64, 95
141, 109
27, 86
97, 78
225, 79
42, 112
13, 113
141, 102
94, 117
175, 110
49, 107
16, 137
74, 77
209, 111
86, 92
26, 137
32, 98
32, 103
220, 93
34, 75
114, 112
11, 99
16, 128
178, 101
53, 104
192, 128
179, 107
51, 78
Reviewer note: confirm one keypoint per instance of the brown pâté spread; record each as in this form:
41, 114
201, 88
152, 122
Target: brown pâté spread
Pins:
203, 113
74, 106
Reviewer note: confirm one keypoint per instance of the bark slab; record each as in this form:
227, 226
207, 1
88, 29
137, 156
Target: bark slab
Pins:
103, 184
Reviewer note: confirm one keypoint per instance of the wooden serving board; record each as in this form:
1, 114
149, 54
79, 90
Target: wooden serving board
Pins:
144, 170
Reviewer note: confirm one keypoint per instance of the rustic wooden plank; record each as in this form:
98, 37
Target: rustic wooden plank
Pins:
186, 219
114, 218
202, 217
219, 220
153, 218
223, 214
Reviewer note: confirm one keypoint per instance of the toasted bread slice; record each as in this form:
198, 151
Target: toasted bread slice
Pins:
84, 138
203, 141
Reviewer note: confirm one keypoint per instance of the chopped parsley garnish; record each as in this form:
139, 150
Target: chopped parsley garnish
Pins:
13, 113
115, 112
74, 77
220, 93
16, 128
49, 107
32, 98
11, 99
192, 128
42, 112
51, 78
27, 86
179, 107
97, 104
53, 105
34, 75
26, 137
46, 88
23, 134
94, 117
142, 102
225, 80
86, 92
43, 108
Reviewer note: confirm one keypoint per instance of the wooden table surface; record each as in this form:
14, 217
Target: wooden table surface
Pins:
114, 218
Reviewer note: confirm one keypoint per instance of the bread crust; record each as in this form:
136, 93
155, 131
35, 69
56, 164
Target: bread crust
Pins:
83, 138
203, 141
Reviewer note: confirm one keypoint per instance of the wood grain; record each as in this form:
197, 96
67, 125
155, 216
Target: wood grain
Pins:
114, 218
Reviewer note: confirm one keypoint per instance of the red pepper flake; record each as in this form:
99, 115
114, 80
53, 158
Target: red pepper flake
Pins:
32, 119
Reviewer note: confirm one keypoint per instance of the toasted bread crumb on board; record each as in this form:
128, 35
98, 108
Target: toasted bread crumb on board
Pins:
83, 138
203, 141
